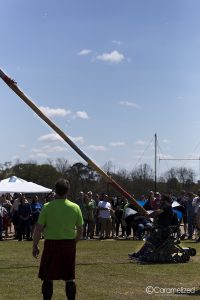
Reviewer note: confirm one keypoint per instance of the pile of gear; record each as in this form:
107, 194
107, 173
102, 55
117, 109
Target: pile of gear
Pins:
165, 250
162, 245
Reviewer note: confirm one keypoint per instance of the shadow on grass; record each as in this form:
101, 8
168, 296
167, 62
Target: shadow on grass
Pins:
17, 267
78, 264
125, 240
101, 263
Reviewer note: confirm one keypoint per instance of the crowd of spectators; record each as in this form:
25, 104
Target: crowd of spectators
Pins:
114, 217
104, 217
188, 203
18, 215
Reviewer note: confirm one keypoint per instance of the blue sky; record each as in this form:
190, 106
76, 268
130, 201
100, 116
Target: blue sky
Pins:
109, 73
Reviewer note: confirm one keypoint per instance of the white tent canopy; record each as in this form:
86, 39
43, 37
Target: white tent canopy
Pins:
14, 184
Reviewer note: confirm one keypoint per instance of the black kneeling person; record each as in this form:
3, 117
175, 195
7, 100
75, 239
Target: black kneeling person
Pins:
164, 218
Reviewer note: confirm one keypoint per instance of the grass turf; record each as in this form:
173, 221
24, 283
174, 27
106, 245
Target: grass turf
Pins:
103, 272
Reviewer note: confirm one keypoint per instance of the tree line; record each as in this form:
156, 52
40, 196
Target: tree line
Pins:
82, 178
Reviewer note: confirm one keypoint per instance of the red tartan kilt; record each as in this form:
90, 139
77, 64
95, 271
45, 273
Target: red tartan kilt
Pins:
58, 260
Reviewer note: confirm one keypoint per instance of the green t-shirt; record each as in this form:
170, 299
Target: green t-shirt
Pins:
60, 218
90, 211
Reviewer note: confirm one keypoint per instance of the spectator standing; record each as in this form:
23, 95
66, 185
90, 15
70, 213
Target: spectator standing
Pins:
3, 214
61, 220
14, 213
190, 215
97, 225
118, 215
50, 197
157, 201
150, 203
128, 216
88, 227
196, 205
81, 203
182, 199
36, 207
114, 204
25, 218
91, 214
7, 217
105, 208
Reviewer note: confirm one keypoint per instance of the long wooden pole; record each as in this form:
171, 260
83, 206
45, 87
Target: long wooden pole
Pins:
13, 85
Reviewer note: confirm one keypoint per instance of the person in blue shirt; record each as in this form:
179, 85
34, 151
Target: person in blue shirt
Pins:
36, 207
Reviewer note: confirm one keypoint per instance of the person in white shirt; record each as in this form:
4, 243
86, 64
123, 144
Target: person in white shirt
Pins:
105, 210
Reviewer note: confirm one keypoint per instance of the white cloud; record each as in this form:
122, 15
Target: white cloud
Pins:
97, 148
112, 57
42, 155
55, 112
22, 146
54, 137
55, 149
77, 139
36, 150
129, 104
140, 143
116, 42
166, 141
51, 137
82, 114
39, 155
84, 52
116, 144
49, 149
16, 157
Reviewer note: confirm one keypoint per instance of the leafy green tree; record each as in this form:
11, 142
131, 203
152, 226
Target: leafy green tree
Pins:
41, 174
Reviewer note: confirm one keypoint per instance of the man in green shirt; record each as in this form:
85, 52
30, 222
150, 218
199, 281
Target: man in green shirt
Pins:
61, 223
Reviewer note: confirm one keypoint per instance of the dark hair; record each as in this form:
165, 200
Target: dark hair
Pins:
51, 196
62, 186
166, 198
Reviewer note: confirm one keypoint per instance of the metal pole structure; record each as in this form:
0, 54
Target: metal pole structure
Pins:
155, 180
13, 85
179, 158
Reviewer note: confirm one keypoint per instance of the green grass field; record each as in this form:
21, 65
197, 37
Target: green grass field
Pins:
103, 272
